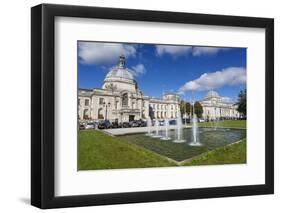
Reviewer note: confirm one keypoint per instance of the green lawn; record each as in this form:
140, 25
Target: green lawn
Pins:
97, 150
100, 151
231, 154
227, 123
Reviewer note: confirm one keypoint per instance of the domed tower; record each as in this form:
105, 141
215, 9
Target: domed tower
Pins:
120, 78
212, 94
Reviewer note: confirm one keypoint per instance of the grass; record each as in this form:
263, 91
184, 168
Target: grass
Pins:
100, 151
97, 150
231, 154
227, 123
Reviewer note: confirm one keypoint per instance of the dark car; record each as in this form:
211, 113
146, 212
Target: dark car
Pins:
172, 122
125, 125
104, 124
134, 124
142, 123
81, 126
115, 124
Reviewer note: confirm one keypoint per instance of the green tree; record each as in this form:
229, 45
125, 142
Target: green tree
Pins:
198, 109
242, 102
188, 108
182, 107
185, 107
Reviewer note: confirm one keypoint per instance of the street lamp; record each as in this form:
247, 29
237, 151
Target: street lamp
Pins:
106, 105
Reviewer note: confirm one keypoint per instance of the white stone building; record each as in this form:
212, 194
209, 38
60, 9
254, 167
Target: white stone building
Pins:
214, 107
121, 99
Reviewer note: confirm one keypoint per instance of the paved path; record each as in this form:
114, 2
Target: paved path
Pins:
123, 131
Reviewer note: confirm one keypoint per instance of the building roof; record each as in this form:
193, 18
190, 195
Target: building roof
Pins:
120, 71
212, 94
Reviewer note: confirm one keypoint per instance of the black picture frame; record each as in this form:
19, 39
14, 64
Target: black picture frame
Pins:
43, 102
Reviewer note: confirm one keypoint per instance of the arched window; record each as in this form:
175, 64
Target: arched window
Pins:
125, 99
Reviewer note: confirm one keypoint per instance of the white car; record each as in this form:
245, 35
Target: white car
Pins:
201, 120
90, 126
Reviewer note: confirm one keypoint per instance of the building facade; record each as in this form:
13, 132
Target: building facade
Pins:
214, 107
121, 99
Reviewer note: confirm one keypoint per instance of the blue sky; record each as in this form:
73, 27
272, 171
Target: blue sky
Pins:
165, 68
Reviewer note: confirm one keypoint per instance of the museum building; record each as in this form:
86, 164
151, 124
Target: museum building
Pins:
215, 107
121, 99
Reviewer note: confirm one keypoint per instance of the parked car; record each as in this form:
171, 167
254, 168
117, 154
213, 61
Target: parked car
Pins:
172, 122
90, 125
142, 123
125, 125
104, 124
201, 120
81, 126
161, 123
115, 124
134, 124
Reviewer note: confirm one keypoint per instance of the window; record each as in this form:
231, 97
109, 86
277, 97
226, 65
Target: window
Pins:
125, 99
100, 114
87, 102
101, 101
79, 101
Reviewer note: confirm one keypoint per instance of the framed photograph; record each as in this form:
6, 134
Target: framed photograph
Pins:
139, 106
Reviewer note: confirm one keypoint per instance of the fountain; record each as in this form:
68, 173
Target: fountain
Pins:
156, 135
179, 138
149, 133
166, 131
195, 141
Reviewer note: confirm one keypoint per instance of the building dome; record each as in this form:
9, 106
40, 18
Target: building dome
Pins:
120, 71
120, 78
212, 94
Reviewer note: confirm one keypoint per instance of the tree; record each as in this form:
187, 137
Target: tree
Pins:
242, 102
198, 109
188, 108
185, 107
182, 107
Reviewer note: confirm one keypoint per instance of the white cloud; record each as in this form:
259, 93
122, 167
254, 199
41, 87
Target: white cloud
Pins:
104, 53
186, 50
172, 50
207, 81
138, 70
198, 51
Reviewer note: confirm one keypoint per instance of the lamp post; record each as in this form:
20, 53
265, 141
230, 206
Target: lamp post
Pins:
106, 105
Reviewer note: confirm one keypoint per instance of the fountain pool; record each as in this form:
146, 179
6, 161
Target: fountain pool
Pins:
209, 139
